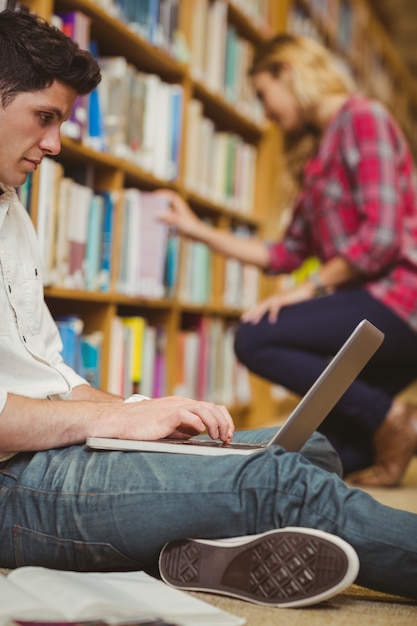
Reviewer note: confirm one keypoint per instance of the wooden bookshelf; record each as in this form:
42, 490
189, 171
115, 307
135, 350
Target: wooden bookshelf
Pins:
109, 172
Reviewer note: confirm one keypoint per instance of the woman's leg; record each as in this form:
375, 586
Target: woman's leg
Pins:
76, 509
295, 349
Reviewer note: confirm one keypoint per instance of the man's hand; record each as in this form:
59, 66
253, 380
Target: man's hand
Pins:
32, 424
172, 416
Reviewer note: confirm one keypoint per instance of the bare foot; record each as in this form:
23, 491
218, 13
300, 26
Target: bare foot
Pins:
395, 443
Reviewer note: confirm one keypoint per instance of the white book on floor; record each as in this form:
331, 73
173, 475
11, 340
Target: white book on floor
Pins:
41, 594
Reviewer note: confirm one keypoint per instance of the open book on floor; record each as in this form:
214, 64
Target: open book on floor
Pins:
304, 419
37, 596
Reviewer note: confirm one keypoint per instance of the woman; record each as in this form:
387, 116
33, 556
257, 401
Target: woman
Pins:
356, 210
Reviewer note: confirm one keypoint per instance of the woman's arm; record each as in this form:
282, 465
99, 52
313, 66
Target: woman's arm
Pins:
252, 250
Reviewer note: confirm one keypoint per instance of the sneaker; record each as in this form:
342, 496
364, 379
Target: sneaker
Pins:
290, 567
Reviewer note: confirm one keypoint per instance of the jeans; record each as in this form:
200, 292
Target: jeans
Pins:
295, 349
71, 508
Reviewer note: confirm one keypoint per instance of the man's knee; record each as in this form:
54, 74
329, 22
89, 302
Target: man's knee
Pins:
319, 451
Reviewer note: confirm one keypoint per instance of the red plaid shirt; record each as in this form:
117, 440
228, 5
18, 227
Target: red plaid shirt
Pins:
359, 201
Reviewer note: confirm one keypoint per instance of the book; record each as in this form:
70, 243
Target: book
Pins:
116, 362
198, 38
160, 382
94, 243
113, 94
45, 596
161, 156
168, 20
135, 338
49, 172
91, 347
216, 45
25, 192
107, 240
60, 270
171, 264
150, 121
70, 328
175, 130
150, 337
95, 133
80, 199
144, 244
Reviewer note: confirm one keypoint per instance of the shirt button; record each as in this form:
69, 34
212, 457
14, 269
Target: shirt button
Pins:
10, 289
24, 338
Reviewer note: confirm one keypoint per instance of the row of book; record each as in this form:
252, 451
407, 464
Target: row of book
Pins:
219, 165
156, 263
131, 114
241, 281
154, 20
141, 118
137, 355
77, 227
157, 20
137, 361
138, 116
240, 288
221, 58
207, 368
148, 260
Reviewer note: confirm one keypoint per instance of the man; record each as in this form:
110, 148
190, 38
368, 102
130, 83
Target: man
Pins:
63, 506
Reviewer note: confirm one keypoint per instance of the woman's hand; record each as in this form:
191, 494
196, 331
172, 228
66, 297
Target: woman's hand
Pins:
180, 215
273, 304
172, 416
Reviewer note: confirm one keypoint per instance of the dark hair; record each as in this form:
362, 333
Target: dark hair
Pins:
33, 54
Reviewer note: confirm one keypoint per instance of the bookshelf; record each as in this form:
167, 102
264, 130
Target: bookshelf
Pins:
233, 128
226, 118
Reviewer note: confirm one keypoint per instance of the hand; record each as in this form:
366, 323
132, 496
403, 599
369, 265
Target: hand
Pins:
172, 416
272, 305
180, 215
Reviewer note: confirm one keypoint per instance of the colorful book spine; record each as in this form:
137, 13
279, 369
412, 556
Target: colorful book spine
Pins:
107, 241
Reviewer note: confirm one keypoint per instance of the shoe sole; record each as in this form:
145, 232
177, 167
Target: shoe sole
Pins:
283, 568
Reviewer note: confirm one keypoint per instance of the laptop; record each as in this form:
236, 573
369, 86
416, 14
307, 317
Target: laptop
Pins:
307, 416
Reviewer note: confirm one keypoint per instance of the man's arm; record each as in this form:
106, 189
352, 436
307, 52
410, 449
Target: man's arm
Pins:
92, 394
32, 424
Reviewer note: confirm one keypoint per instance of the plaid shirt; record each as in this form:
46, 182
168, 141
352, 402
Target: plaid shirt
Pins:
359, 201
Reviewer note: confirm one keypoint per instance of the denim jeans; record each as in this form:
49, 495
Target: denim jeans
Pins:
72, 508
294, 350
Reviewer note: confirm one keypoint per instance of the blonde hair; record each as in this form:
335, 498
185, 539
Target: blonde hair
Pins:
315, 75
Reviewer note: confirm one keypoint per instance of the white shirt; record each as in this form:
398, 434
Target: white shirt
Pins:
31, 364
